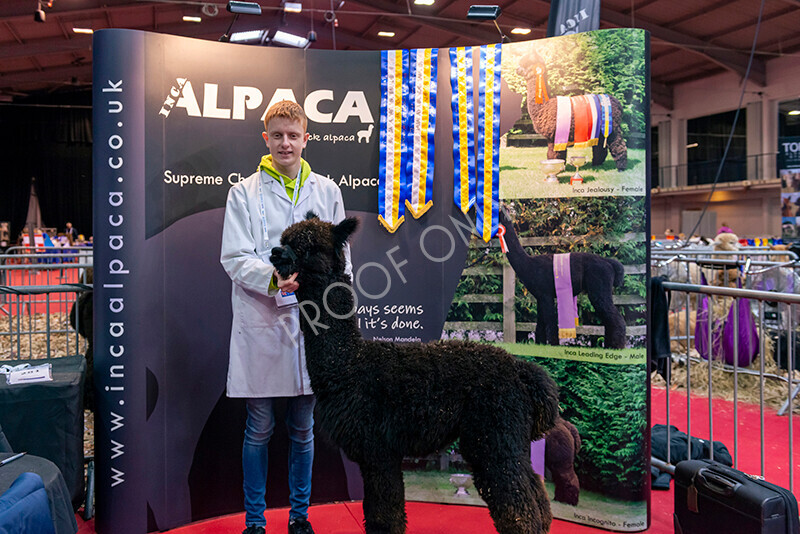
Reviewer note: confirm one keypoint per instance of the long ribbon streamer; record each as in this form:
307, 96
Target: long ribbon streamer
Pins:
488, 145
463, 128
582, 119
563, 120
391, 209
606, 122
566, 302
597, 114
420, 138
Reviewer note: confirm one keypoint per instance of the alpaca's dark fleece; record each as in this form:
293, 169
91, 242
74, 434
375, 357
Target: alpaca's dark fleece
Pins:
562, 443
382, 401
591, 274
543, 117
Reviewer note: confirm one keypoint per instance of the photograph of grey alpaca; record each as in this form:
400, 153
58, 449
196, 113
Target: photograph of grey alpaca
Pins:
381, 402
591, 274
543, 115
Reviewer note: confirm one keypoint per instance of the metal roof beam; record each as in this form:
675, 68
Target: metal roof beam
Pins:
661, 94
733, 61
54, 76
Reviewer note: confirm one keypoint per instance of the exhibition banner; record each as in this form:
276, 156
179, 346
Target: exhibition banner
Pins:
789, 170
573, 16
178, 121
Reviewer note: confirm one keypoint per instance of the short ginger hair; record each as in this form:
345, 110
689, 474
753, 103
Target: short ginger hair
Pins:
286, 109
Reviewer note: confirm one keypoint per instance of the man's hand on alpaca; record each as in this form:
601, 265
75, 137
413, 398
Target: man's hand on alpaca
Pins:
289, 285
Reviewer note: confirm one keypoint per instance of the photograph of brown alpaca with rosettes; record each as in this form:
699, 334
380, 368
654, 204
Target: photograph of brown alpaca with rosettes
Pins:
543, 108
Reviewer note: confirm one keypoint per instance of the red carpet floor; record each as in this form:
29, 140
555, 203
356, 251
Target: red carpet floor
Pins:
425, 518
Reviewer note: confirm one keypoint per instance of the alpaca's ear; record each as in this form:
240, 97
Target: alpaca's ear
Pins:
504, 217
343, 230
311, 215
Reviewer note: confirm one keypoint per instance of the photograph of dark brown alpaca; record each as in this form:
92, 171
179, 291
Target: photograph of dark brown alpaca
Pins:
381, 402
543, 115
591, 274
562, 443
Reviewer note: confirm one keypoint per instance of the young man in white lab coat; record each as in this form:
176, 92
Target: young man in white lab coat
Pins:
267, 354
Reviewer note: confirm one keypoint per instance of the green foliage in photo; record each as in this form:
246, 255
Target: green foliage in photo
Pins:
604, 226
607, 404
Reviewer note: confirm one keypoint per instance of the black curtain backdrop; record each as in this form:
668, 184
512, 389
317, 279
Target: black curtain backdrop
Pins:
53, 144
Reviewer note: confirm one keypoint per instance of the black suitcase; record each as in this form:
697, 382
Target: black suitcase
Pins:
712, 498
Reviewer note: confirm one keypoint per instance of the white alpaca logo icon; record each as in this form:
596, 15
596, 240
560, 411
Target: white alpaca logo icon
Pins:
365, 134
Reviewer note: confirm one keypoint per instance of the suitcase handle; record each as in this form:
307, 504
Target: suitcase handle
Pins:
717, 483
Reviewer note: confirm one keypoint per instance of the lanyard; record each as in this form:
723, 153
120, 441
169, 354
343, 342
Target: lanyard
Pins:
295, 196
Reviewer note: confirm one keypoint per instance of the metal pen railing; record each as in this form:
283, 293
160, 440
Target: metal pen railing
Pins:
752, 167
787, 304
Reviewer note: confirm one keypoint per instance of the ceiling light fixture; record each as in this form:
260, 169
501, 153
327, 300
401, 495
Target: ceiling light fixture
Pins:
243, 8
87, 31
289, 39
484, 12
521, 31
239, 8
187, 18
795, 112
293, 7
39, 15
385, 34
423, 2
252, 35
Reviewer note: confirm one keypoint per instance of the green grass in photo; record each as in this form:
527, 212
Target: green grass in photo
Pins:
435, 486
521, 175
601, 511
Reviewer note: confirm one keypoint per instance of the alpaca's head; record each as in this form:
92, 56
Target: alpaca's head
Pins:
726, 241
506, 214
313, 248
529, 63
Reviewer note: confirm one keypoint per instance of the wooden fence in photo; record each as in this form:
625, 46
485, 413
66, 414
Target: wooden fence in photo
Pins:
509, 326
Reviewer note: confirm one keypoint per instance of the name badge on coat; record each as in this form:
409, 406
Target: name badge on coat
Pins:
284, 299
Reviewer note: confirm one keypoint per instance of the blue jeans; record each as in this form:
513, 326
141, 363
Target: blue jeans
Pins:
260, 424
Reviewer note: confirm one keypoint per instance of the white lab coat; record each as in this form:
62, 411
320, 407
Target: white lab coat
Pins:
267, 353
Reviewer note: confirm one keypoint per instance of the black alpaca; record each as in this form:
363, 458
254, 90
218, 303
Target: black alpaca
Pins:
591, 274
382, 401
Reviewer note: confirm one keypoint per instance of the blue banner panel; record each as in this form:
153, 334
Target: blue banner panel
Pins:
121, 319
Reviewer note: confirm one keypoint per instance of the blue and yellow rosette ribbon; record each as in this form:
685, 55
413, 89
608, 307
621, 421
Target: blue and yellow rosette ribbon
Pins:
606, 123
391, 208
420, 131
463, 128
488, 145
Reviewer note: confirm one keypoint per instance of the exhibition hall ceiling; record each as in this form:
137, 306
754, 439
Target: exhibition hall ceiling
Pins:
691, 39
